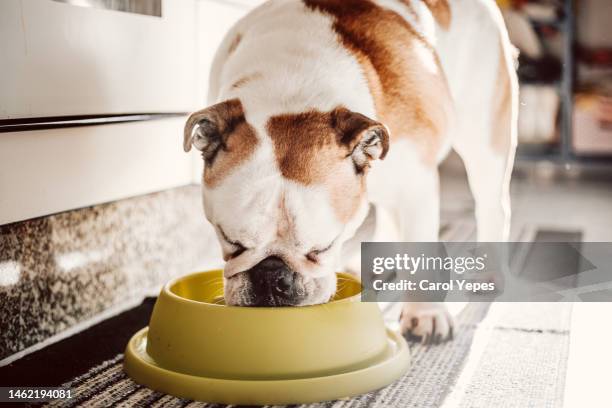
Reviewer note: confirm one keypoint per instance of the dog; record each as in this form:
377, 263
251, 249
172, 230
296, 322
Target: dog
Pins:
307, 97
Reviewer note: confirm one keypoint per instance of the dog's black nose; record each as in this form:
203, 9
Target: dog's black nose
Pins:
273, 282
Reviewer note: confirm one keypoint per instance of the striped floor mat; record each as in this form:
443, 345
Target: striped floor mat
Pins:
502, 356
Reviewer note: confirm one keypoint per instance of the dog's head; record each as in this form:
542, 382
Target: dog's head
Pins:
283, 193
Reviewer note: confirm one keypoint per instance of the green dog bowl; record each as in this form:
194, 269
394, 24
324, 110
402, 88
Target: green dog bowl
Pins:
197, 348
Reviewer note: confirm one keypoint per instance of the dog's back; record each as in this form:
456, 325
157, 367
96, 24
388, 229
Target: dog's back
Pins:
298, 55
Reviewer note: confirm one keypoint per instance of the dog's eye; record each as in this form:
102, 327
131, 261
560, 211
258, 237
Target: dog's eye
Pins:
239, 250
237, 247
313, 256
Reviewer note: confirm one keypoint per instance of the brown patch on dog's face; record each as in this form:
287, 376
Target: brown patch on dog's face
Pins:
224, 136
319, 148
403, 72
441, 12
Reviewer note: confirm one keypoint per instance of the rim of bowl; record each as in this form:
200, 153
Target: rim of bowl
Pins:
166, 289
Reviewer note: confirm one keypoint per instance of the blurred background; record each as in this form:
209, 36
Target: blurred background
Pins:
565, 67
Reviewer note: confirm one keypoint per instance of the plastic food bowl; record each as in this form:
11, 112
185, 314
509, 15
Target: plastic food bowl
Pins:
197, 348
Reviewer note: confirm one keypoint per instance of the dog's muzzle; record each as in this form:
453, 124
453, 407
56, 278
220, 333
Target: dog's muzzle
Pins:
273, 283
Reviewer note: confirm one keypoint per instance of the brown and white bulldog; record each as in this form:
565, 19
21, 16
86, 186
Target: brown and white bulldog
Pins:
306, 96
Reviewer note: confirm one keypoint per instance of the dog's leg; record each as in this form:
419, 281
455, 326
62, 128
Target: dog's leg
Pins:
410, 188
406, 207
488, 175
427, 322
420, 220
487, 143
486, 102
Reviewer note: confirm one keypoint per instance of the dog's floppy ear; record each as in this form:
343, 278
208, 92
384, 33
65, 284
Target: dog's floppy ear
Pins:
367, 139
208, 129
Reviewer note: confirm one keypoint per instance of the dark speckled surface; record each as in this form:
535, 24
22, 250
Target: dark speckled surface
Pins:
63, 269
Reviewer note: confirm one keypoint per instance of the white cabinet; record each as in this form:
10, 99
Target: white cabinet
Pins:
57, 59
44, 172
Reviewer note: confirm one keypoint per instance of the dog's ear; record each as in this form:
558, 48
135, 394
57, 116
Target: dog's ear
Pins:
367, 139
208, 129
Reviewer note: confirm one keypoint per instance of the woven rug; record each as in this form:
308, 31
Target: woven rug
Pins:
503, 355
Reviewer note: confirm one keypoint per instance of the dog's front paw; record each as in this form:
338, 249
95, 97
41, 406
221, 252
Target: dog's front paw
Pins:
428, 323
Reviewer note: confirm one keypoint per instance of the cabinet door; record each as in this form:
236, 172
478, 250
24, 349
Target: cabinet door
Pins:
59, 59
48, 171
